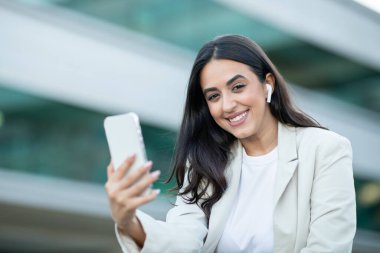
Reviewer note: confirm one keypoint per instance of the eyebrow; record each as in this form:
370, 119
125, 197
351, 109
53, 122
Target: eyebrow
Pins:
228, 83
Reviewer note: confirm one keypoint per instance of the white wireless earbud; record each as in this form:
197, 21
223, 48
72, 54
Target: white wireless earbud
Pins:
269, 92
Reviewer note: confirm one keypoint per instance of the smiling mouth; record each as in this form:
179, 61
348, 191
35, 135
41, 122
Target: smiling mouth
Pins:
239, 119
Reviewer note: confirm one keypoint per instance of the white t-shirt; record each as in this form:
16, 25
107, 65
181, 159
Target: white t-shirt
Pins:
249, 227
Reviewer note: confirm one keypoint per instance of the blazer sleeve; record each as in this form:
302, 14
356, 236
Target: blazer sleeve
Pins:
333, 206
184, 231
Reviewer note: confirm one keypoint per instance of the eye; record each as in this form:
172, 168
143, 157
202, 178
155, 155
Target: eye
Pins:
238, 87
213, 97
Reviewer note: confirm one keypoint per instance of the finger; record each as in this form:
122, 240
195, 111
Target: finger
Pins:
143, 184
122, 170
126, 182
110, 170
138, 201
135, 176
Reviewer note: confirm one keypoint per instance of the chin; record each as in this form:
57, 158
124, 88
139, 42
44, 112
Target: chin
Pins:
241, 132
242, 135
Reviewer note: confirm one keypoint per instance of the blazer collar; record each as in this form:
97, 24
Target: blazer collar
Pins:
287, 163
221, 209
287, 159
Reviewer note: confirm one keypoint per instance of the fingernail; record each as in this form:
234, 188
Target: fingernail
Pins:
155, 173
156, 191
148, 164
132, 156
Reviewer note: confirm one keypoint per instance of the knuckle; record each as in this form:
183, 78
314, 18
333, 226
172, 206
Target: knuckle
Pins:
130, 177
150, 181
146, 182
146, 185
107, 187
139, 187
127, 163
112, 194
119, 199
126, 183
142, 171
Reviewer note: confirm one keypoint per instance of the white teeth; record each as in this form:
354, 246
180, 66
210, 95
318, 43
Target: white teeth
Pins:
239, 117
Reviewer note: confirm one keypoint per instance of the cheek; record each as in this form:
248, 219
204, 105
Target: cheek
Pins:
253, 100
213, 109
215, 112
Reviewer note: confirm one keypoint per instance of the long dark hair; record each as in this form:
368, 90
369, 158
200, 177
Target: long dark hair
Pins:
203, 148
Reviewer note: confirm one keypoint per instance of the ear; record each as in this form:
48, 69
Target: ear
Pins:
271, 80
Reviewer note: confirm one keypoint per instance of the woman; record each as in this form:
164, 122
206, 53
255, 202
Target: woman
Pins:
254, 173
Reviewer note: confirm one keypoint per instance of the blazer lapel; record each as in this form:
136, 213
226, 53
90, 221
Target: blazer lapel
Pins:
221, 209
287, 163
287, 159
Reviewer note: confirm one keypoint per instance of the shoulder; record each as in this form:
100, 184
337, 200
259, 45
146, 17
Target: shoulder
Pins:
319, 136
321, 140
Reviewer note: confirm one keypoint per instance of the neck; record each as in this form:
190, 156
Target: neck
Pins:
264, 141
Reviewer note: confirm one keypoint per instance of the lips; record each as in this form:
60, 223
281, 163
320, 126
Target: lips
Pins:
238, 118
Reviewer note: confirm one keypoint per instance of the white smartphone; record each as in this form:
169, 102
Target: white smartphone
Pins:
124, 138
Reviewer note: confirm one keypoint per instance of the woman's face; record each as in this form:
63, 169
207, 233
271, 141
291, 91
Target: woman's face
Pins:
235, 97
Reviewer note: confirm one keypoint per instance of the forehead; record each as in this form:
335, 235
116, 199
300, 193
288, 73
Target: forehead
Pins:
218, 72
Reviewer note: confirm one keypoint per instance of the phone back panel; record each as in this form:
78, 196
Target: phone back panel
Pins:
124, 138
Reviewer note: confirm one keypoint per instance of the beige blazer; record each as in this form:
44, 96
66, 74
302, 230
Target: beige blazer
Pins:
314, 201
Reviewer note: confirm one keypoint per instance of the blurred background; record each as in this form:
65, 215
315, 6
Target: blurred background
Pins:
66, 64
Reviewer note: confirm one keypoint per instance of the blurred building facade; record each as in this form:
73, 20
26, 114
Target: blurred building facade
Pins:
66, 64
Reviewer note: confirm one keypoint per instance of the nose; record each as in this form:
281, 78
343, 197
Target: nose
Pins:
229, 103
